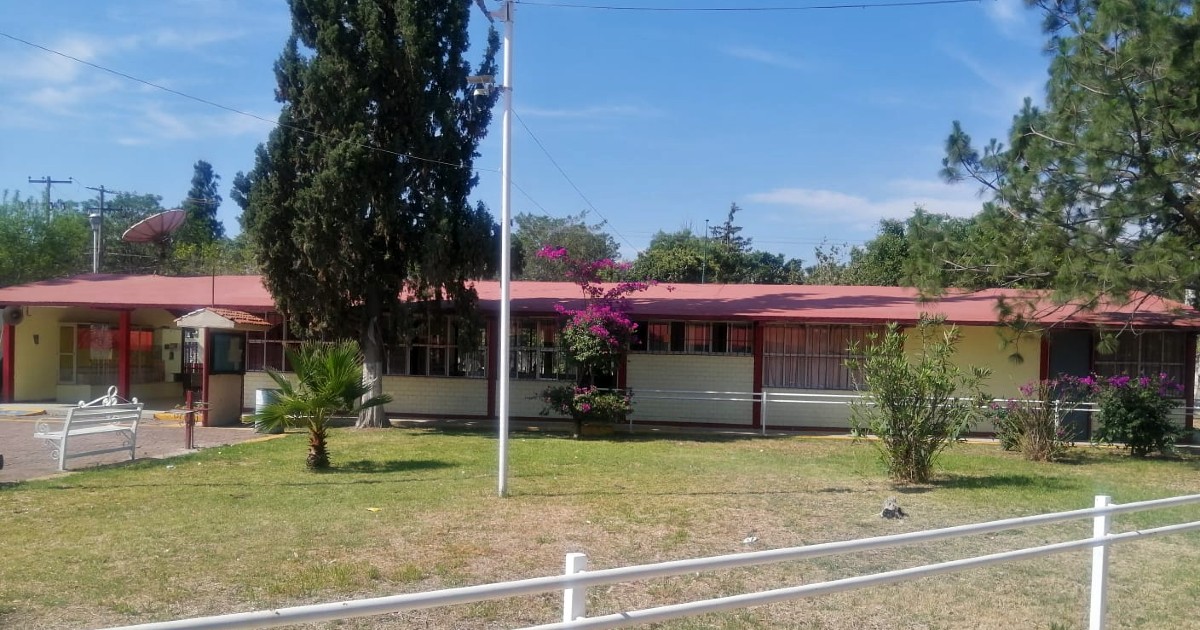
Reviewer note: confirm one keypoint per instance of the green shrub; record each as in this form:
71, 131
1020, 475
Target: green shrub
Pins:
1033, 424
586, 404
1135, 411
916, 407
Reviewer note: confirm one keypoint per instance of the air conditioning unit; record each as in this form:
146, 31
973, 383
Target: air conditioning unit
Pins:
12, 315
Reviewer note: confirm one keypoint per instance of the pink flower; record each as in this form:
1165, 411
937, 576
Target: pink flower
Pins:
551, 252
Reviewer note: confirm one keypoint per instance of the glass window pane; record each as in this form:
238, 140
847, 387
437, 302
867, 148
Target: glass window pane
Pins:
66, 368
677, 337
660, 336
696, 337
439, 361
739, 339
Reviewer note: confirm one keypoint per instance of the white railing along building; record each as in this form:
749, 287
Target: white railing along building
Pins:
575, 582
766, 399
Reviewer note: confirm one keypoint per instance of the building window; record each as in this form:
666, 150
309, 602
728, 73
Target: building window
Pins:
434, 351
1147, 353
812, 356
694, 337
268, 349
88, 354
537, 351
429, 352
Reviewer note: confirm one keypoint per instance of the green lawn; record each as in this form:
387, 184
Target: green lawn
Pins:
246, 527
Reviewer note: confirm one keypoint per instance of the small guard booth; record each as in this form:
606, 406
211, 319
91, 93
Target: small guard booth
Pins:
222, 348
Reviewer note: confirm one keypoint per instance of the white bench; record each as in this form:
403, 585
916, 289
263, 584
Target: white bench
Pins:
120, 419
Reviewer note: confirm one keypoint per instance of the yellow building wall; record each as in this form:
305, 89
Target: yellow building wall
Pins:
35, 374
691, 373
983, 346
979, 346
436, 395
252, 381
525, 398
410, 394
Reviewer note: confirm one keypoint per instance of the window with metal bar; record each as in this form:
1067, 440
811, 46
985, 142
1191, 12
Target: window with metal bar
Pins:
812, 356
693, 337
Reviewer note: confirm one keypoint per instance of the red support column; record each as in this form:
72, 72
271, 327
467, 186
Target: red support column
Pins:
493, 364
8, 350
123, 368
1189, 376
757, 410
1044, 358
204, 354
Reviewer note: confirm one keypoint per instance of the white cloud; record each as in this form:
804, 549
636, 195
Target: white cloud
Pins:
155, 125
1013, 19
1004, 12
856, 211
68, 99
763, 56
42, 67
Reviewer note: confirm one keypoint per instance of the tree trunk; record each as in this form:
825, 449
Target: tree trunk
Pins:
372, 349
318, 451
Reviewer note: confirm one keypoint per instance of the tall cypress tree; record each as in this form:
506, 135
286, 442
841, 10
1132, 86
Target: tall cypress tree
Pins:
202, 227
358, 202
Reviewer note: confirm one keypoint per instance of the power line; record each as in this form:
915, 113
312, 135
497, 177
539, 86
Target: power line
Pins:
572, 183
232, 109
762, 9
531, 199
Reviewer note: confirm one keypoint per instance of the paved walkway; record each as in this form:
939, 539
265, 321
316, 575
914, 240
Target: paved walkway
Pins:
26, 457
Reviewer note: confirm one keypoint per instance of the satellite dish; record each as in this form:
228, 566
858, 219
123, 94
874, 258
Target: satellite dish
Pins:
12, 315
156, 228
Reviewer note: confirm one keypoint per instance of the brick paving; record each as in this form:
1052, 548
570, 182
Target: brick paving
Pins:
26, 457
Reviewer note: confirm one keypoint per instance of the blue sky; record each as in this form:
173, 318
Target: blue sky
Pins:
817, 123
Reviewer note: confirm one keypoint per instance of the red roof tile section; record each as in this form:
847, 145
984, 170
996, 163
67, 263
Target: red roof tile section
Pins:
834, 304
240, 317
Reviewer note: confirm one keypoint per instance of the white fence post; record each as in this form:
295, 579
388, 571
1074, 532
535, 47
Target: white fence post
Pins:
575, 598
1099, 600
762, 413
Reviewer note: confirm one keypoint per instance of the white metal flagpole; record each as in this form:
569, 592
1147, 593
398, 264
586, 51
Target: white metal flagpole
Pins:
506, 15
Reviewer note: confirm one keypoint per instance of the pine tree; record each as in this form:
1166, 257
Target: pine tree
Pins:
1103, 184
358, 201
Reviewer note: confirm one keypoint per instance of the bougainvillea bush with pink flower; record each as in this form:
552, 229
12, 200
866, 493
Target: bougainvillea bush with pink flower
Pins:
1136, 411
587, 404
593, 339
1034, 423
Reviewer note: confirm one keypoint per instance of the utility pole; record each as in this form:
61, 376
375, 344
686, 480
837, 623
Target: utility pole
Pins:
704, 256
48, 181
99, 234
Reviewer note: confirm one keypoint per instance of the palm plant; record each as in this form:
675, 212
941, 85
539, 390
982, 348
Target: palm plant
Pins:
327, 381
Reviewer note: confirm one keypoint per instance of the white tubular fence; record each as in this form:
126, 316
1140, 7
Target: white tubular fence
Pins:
575, 582
767, 399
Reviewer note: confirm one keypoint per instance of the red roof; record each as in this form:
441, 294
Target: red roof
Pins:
835, 304
244, 293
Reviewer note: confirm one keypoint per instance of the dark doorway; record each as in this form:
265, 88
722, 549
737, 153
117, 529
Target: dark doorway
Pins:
1071, 355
